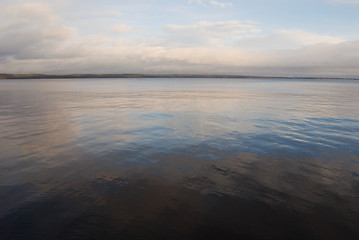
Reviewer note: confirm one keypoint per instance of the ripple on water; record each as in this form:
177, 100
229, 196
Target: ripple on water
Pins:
179, 159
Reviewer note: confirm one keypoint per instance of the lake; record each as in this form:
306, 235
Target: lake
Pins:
179, 159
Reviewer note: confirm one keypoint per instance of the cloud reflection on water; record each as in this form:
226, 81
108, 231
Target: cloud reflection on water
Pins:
179, 159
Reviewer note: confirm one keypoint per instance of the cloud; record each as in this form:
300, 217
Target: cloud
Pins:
120, 57
209, 32
98, 14
38, 40
123, 57
221, 4
325, 60
121, 28
346, 1
199, 2
287, 39
30, 29
213, 3
321, 59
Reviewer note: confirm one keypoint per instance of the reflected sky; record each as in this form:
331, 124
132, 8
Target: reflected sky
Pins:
194, 157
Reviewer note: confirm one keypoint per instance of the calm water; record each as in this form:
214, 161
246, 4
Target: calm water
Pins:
179, 159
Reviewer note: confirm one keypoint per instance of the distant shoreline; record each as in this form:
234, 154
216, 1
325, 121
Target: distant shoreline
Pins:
70, 76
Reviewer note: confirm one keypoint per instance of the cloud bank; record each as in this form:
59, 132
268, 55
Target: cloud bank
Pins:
38, 40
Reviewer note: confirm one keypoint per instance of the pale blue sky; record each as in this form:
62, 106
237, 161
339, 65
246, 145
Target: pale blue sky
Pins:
321, 16
275, 37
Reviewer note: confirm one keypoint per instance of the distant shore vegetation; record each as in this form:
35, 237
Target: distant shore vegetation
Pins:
129, 75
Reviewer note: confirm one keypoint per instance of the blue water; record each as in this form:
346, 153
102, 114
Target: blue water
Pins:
122, 158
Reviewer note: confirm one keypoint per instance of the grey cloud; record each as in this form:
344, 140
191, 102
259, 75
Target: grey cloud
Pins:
286, 39
30, 29
342, 55
36, 40
323, 59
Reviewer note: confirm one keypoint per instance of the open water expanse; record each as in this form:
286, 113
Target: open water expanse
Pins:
179, 159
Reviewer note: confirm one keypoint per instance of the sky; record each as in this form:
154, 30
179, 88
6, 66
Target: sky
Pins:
257, 37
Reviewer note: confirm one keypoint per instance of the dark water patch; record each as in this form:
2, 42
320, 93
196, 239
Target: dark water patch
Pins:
232, 198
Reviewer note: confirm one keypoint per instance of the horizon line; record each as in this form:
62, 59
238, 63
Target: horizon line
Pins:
156, 75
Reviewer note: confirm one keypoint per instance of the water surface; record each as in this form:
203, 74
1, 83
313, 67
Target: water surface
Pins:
179, 159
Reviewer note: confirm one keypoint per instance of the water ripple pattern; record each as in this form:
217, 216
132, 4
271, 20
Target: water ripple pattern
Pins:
179, 159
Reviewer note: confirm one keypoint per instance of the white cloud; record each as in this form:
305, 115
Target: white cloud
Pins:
287, 39
199, 2
209, 32
221, 4
213, 3
98, 14
121, 28
29, 28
